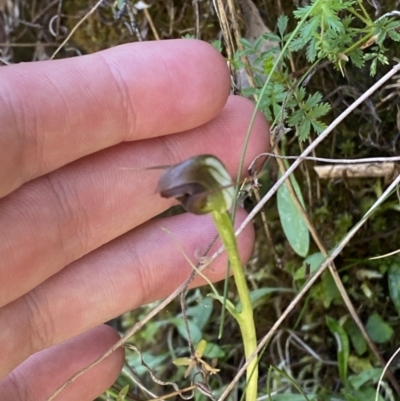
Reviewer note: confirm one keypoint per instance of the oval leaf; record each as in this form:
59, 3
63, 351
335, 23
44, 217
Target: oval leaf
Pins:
195, 332
201, 312
293, 225
378, 329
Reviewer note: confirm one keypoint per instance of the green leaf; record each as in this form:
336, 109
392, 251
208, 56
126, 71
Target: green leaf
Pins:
307, 113
378, 329
356, 381
282, 24
304, 129
195, 332
312, 49
313, 100
214, 351
289, 379
334, 23
342, 342
153, 361
329, 289
217, 44
122, 394
260, 293
356, 57
394, 35
293, 225
365, 393
318, 126
309, 29
272, 37
314, 261
358, 365
201, 312
297, 44
356, 338
319, 110
292, 397
394, 284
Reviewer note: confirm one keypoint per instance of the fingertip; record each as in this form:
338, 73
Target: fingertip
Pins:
44, 372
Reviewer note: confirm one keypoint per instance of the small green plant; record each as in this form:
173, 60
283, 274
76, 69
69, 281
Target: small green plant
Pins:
332, 31
203, 185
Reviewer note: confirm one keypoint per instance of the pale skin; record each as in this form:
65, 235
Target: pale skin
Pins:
76, 244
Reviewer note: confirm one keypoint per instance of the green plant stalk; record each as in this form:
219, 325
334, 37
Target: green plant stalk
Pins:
367, 17
245, 316
366, 21
359, 42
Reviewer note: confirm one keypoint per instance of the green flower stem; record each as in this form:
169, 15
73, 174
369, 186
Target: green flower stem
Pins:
245, 316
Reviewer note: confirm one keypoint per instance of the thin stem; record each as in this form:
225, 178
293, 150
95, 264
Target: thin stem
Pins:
359, 42
367, 21
245, 316
360, 4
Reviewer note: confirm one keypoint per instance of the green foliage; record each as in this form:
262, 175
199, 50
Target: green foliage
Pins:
336, 31
217, 44
343, 349
347, 147
359, 380
341, 34
357, 340
292, 221
313, 262
322, 23
308, 112
153, 361
195, 332
343, 222
376, 55
325, 34
378, 329
122, 394
260, 295
329, 291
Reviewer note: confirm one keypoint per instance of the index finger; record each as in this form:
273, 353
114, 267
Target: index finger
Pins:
55, 112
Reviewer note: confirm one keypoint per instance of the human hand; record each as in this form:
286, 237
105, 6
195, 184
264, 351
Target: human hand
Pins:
76, 246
